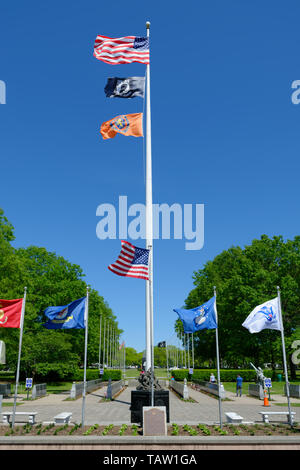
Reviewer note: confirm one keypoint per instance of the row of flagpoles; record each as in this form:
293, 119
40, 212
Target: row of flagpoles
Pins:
71, 316
75, 315
265, 316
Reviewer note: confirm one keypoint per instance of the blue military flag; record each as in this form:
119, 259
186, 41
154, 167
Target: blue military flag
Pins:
199, 318
66, 317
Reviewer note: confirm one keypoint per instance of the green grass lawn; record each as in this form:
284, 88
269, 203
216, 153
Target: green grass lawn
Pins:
134, 373
277, 387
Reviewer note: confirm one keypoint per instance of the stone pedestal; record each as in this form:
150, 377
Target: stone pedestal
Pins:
141, 398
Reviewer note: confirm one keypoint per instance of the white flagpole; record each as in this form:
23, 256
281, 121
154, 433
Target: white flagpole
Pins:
86, 316
167, 360
100, 343
124, 361
151, 332
284, 358
149, 221
193, 359
218, 362
19, 357
103, 352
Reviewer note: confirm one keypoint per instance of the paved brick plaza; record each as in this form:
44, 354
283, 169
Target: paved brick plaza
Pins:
205, 410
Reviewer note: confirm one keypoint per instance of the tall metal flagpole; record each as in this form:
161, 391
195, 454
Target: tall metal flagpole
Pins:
149, 221
103, 354
151, 332
193, 359
86, 316
218, 361
107, 340
287, 384
100, 343
19, 357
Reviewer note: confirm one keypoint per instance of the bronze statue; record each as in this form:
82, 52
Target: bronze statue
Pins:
145, 381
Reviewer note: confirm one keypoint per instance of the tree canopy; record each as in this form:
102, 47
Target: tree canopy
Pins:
51, 280
245, 278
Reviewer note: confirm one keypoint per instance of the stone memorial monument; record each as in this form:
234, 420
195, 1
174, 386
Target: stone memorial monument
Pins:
141, 397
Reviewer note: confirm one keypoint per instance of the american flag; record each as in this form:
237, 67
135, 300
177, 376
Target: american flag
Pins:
122, 50
132, 262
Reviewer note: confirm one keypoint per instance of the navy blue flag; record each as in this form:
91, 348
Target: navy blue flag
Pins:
68, 316
125, 87
199, 318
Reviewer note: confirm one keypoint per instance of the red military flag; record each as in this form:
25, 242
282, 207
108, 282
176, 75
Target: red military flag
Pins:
10, 313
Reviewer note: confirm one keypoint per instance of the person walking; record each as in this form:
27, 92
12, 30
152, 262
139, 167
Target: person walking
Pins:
239, 384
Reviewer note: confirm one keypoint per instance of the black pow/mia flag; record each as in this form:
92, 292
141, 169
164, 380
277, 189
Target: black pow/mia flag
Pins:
125, 87
162, 344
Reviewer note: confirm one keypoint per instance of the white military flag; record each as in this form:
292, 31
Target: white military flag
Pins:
264, 316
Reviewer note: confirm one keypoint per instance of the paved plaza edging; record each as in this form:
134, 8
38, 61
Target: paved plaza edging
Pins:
175, 443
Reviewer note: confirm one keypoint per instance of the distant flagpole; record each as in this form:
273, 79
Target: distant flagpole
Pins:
284, 358
19, 357
218, 361
149, 223
86, 316
100, 342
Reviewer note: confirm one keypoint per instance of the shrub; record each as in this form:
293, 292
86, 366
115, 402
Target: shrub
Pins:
52, 372
93, 374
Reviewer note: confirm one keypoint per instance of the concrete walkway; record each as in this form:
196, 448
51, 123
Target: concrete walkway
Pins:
205, 409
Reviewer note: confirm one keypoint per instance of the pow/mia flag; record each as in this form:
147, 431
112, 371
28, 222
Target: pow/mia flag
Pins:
162, 344
125, 87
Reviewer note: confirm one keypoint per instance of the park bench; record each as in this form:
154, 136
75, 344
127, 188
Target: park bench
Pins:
266, 414
63, 418
6, 415
233, 417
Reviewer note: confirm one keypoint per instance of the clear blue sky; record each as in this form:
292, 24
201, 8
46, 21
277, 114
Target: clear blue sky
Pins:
225, 133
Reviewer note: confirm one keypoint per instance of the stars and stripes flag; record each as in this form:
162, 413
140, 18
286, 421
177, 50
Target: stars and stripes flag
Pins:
122, 50
132, 262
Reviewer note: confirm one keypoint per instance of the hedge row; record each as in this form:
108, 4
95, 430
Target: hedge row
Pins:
226, 375
56, 372
93, 374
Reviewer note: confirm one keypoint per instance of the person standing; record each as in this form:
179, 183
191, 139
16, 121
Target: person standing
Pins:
239, 384
212, 378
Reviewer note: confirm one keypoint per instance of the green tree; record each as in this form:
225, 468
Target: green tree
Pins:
51, 280
133, 358
245, 278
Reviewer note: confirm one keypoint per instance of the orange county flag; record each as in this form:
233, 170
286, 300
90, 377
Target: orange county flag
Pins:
126, 124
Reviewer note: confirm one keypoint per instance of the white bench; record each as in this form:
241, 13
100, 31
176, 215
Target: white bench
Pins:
63, 418
266, 414
6, 415
233, 417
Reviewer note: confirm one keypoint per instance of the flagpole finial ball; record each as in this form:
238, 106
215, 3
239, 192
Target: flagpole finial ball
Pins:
148, 24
